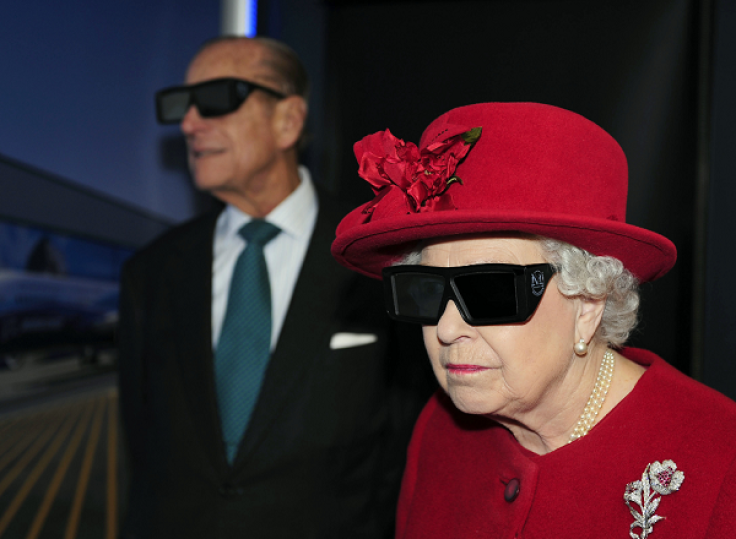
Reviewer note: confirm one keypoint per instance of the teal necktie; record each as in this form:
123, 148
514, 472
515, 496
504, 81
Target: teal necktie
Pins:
244, 346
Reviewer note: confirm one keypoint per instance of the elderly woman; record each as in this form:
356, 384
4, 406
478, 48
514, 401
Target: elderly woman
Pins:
504, 235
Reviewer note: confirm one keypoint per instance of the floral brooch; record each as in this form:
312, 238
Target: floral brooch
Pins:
658, 478
403, 172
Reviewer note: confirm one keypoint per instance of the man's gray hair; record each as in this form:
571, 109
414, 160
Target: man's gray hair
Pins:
288, 70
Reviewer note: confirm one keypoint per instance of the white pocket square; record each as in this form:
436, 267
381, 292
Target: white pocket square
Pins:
349, 340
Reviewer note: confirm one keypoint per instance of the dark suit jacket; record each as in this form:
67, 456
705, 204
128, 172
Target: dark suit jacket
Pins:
325, 449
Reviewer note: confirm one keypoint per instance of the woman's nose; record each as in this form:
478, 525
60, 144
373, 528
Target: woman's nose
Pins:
451, 326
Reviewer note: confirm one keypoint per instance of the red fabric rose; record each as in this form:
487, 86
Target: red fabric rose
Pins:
422, 176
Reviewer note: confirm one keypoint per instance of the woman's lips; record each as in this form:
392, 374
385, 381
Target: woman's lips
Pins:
465, 369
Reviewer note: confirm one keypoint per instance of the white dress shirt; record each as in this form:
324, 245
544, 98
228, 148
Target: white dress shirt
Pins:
295, 216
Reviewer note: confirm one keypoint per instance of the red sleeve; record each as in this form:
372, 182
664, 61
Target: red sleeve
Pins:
412, 463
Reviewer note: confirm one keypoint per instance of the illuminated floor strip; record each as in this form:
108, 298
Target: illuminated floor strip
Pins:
112, 467
61, 470
12, 451
35, 474
49, 485
89, 454
9, 451
27, 457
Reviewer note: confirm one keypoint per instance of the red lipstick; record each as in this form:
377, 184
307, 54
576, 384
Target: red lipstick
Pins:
464, 369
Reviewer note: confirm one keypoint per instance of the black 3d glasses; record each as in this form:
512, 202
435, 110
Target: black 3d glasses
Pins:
485, 294
212, 98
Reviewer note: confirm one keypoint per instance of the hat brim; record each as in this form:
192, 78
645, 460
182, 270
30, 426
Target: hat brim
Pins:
370, 247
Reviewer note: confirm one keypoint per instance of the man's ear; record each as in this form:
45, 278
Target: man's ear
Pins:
290, 116
589, 315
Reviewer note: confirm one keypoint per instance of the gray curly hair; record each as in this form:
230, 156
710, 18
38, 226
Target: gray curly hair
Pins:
580, 273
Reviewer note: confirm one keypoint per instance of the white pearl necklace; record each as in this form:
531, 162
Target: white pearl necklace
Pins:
595, 402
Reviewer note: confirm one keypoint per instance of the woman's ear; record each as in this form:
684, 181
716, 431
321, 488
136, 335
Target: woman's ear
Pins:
589, 314
289, 119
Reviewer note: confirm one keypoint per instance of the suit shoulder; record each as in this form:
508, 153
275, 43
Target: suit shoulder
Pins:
178, 236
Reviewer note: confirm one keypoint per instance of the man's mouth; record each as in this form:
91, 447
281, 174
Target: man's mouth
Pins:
198, 154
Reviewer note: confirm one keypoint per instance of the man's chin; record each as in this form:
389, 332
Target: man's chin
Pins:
207, 186
207, 180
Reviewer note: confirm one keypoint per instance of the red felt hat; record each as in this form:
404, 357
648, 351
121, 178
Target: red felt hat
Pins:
531, 168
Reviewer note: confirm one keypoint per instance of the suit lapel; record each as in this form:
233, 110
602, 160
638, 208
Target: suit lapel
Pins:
192, 273
305, 332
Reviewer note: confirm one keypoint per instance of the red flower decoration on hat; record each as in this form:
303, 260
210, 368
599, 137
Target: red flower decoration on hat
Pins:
421, 178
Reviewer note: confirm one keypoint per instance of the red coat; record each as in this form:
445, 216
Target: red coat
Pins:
462, 469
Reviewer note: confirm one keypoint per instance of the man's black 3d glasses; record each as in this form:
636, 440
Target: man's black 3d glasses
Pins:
212, 98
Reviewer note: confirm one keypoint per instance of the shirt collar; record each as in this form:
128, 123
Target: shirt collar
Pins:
292, 215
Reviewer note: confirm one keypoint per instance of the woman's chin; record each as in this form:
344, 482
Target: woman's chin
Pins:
473, 403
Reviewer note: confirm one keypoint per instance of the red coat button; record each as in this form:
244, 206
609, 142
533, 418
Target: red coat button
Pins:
512, 490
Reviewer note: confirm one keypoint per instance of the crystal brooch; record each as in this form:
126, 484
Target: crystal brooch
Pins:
658, 479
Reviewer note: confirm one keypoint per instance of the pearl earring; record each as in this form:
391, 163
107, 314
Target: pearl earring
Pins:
580, 348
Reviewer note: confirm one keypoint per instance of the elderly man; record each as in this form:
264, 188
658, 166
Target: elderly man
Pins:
261, 389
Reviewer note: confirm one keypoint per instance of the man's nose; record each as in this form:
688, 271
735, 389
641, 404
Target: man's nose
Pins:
191, 120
